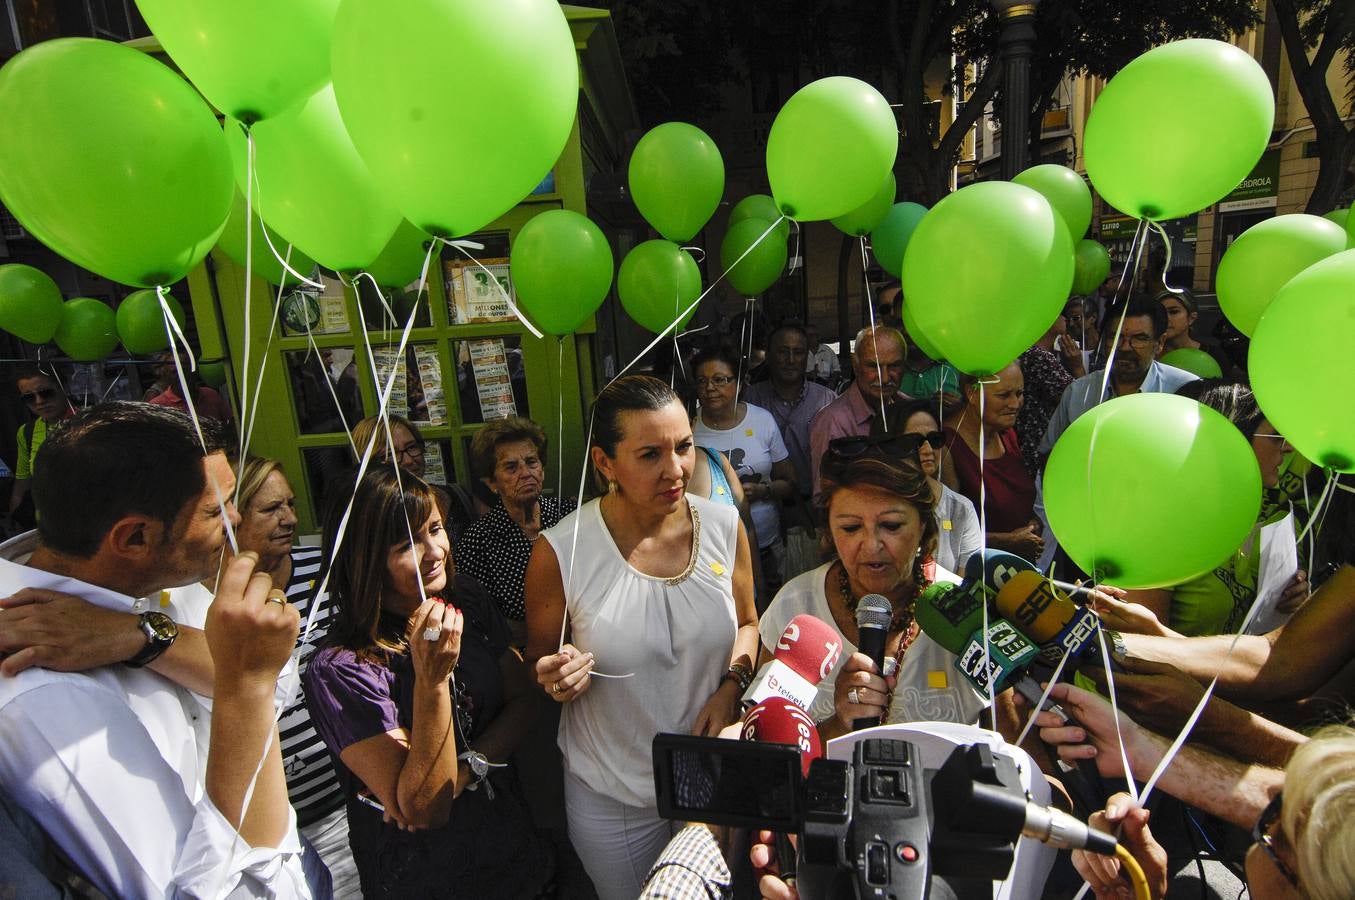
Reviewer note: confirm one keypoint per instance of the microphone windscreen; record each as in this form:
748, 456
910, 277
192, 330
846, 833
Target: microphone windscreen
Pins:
778, 721
1031, 602
874, 611
999, 567
810, 647
949, 614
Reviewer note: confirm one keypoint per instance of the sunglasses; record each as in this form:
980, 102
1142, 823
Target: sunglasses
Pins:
1260, 834
887, 445
34, 396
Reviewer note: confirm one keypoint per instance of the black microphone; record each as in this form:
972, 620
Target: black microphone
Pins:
873, 615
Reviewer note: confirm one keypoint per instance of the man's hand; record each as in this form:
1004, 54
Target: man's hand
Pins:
767, 869
1156, 694
250, 634
61, 632
1091, 734
1104, 873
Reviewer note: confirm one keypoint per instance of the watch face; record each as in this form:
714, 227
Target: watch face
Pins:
161, 625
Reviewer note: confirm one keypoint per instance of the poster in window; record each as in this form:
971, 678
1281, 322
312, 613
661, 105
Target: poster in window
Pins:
478, 292
493, 385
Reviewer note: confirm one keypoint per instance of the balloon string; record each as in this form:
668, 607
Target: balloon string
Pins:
560, 409
248, 415
507, 298
697, 250
255, 185
795, 253
1044, 696
338, 407
250, 175
870, 310
1131, 270
1323, 502
1167, 264
983, 547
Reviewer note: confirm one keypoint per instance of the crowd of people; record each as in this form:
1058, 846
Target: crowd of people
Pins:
455, 693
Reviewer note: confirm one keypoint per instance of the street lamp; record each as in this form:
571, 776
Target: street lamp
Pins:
1016, 46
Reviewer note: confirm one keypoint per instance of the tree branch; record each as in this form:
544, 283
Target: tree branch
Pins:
1311, 80
969, 113
1334, 35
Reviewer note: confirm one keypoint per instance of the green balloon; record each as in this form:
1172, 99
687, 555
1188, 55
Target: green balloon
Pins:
112, 160
1350, 230
88, 330
765, 262
30, 303
1193, 360
986, 273
265, 264
1178, 128
1339, 216
459, 107
312, 185
562, 270
759, 206
864, 219
1144, 472
830, 147
657, 281
1267, 255
1091, 265
141, 323
890, 238
915, 334
676, 178
250, 58
1066, 191
402, 260
1300, 362
212, 372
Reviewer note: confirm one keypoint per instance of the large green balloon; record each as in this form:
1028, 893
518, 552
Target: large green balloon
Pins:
917, 335
1301, 365
111, 159
1267, 255
830, 147
759, 206
312, 185
1091, 265
251, 58
676, 178
1193, 360
1150, 490
890, 238
657, 281
1178, 128
986, 273
864, 219
88, 329
265, 264
30, 303
1066, 191
402, 260
1339, 216
141, 323
764, 263
459, 107
562, 269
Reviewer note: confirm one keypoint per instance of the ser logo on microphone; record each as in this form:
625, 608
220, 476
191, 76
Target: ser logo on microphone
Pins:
1033, 605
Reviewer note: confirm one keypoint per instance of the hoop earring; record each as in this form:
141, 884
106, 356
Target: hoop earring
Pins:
611, 486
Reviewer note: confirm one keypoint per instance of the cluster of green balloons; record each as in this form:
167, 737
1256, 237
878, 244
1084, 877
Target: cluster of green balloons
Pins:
1265, 257
676, 178
1150, 490
257, 255
561, 266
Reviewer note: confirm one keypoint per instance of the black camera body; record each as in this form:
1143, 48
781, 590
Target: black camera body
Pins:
881, 826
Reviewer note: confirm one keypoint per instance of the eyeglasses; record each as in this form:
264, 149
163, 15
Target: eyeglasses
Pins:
1137, 341
717, 380
410, 451
1260, 834
34, 396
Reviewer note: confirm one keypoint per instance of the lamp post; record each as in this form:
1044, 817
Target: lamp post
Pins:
1016, 46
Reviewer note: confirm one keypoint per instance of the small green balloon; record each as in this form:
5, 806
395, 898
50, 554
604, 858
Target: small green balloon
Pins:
865, 218
88, 330
766, 259
759, 206
562, 270
30, 303
313, 187
986, 273
1091, 265
1178, 128
890, 238
1300, 362
458, 108
830, 147
112, 160
1146, 471
141, 323
265, 264
658, 280
1339, 216
1066, 191
676, 178
402, 259
1265, 257
212, 372
286, 44
1193, 360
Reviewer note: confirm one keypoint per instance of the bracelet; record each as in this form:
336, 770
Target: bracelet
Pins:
740, 675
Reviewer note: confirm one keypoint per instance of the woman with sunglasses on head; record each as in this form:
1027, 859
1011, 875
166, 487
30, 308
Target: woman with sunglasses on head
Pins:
421, 702
957, 524
879, 510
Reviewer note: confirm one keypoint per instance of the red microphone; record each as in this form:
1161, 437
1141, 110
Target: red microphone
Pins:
804, 656
777, 720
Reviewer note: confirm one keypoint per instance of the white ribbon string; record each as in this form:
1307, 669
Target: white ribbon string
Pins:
983, 547
255, 187
248, 413
1131, 272
874, 336
560, 423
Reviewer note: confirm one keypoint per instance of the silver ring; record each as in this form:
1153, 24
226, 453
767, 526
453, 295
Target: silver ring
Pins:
853, 696
432, 632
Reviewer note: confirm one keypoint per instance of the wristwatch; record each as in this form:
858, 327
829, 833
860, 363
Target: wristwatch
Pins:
479, 767
160, 632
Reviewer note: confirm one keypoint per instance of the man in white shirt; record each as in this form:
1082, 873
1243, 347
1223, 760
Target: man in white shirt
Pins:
822, 363
138, 785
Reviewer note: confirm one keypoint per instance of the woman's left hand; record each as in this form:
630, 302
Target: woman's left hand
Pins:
720, 711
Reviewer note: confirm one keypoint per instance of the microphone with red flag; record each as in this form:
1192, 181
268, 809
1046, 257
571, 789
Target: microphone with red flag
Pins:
777, 720
803, 657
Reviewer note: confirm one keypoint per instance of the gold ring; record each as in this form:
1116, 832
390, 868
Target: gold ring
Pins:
555, 688
276, 596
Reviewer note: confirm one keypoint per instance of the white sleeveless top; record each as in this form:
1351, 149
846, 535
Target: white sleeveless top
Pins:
675, 635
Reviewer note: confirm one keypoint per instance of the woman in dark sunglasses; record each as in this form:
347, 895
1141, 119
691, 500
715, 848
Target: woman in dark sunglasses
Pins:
957, 524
